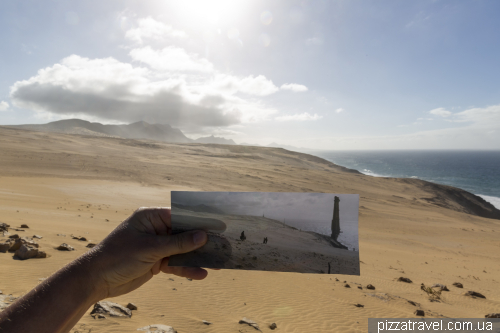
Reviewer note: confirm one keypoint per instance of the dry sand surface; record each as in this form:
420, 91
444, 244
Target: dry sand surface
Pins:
69, 184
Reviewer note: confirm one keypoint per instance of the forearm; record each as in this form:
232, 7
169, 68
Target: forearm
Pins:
56, 304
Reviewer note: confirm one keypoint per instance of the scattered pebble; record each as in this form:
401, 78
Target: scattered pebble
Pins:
441, 287
474, 294
458, 285
37, 236
250, 323
206, 322
404, 279
273, 326
412, 303
347, 286
131, 306
91, 245
359, 287
419, 313
157, 328
370, 286
25, 226
492, 315
111, 309
65, 247
359, 305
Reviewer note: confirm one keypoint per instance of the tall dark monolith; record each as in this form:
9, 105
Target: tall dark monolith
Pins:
336, 219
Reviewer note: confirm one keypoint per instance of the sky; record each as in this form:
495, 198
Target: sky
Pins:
330, 75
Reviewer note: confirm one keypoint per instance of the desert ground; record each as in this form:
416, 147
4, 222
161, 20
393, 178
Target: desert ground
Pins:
63, 185
288, 249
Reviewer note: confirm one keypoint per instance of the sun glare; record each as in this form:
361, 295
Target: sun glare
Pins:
210, 14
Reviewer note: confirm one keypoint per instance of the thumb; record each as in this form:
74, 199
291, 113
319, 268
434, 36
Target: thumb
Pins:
182, 243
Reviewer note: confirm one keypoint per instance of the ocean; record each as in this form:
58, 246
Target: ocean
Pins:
477, 172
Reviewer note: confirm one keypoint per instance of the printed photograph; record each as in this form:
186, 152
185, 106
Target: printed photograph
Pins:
284, 232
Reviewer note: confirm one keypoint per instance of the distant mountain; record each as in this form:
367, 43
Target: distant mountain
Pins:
138, 130
215, 139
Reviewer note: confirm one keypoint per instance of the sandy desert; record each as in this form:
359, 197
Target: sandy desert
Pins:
62, 185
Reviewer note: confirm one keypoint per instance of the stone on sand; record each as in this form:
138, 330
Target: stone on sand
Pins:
90, 245
27, 251
157, 328
14, 236
131, 306
419, 313
206, 322
20, 241
250, 323
458, 285
111, 309
5, 245
37, 237
404, 279
359, 305
273, 326
24, 226
441, 287
65, 247
492, 315
347, 285
4, 227
474, 294
370, 286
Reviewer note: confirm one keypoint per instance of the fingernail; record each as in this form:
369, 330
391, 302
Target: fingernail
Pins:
199, 237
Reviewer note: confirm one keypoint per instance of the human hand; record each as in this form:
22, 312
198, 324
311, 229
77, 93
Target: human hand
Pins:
138, 249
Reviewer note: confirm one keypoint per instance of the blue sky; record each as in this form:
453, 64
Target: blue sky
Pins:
314, 74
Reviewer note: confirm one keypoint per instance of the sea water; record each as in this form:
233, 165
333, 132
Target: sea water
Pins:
477, 172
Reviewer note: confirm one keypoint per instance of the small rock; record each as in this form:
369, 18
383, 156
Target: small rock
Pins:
14, 236
441, 287
403, 279
336, 279
359, 305
131, 306
24, 226
347, 286
65, 247
370, 286
458, 285
80, 238
4, 227
206, 322
157, 328
37, 237
189, 279
100, 316
5, 246
474, 294
273, 326
62, 235
90, 245
111, 309
419, 313
27, 252
359, 287
492, 315
412, 303
20, 241
249, 322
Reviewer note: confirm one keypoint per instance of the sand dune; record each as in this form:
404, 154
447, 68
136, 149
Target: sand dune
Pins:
62, 184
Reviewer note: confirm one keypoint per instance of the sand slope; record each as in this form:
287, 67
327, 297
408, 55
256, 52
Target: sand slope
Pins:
68, 184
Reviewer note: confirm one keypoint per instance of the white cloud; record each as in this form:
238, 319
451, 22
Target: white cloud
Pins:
440, 112
151, 29
294, 87
259, 85
299, 117
171, 58
4, 106
339, 110
314, 41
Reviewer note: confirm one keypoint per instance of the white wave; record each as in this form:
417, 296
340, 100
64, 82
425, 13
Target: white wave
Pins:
371, 173
495, 201
414, 177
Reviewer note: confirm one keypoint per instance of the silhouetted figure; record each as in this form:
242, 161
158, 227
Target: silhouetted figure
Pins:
242, 236
328, 268
336, 219
265, 240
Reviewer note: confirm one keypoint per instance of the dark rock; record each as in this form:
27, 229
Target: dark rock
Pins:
370, 286
111, 309
273, 326
14, 236
131, 306
359, 305
419, 313
20, 241
458, 285
412, 303
37, 237
492, 315
157, 328
249, 322
359, 287
5, 245
80, 238
206, 322
4, 226
65, 247
26, 252
91, 245
441, 287
403, 279
24, 226
474, 294
347, 286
